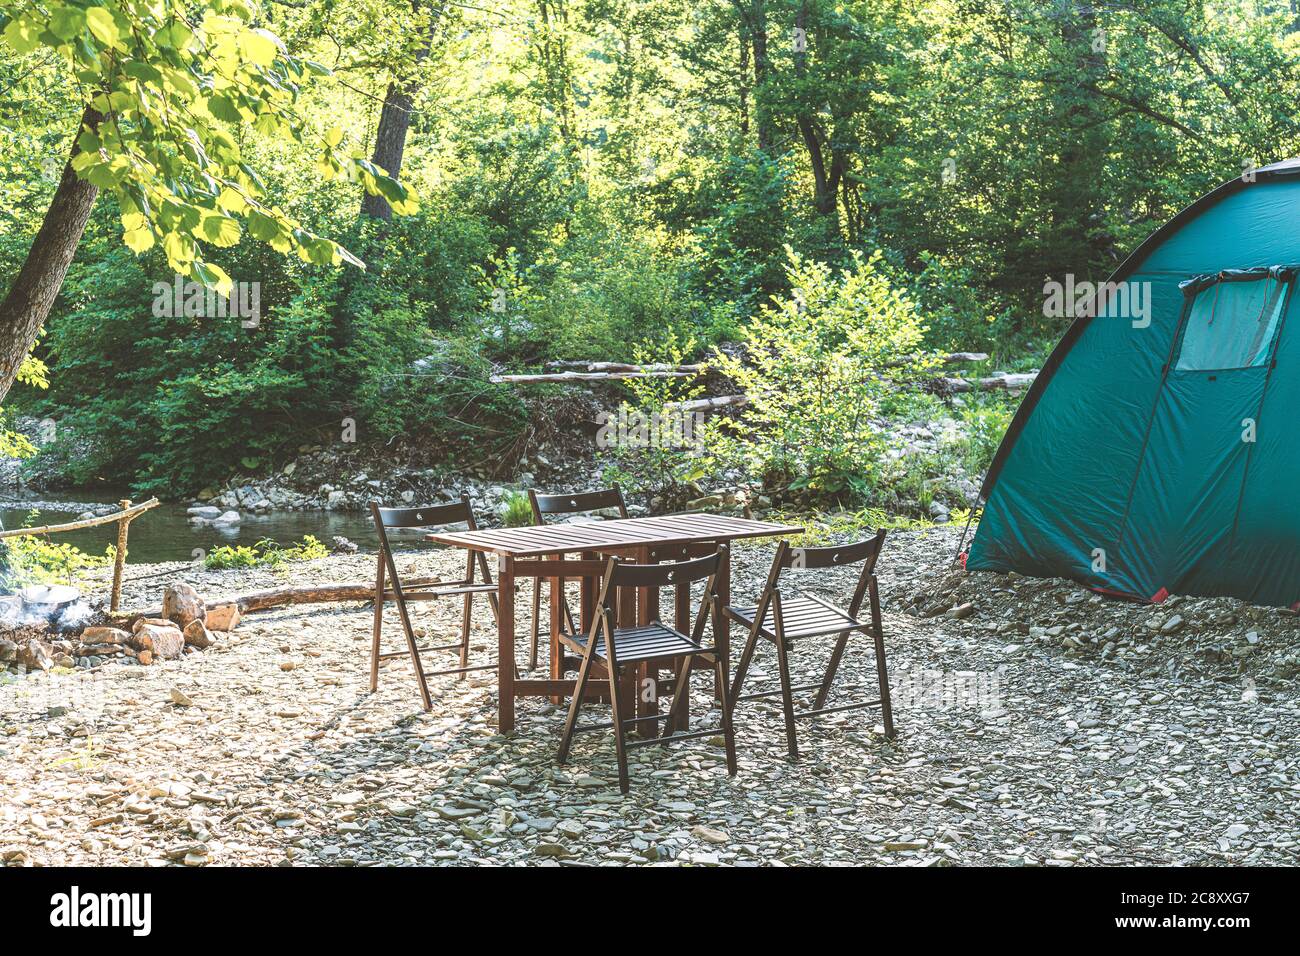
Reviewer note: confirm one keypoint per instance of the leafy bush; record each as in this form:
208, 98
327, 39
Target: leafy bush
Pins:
517, 511
985, 424
813, 377
31, 558
265, 553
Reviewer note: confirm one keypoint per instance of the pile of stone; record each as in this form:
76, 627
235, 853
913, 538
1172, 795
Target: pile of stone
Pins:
186, 626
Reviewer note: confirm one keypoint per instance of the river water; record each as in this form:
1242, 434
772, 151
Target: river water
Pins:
165, 534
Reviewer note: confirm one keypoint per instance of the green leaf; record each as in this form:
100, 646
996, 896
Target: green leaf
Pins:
259, 46
262, 227
102, 26
138, 240
219, 230
223, 109
67, 22
212, 276
143, 71
22, 35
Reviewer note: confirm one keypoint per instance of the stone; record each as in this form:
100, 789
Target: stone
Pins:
35, 654
180, 698
204, 511
222, 617
182, 604
197, 635
707, 834
227, 518
165, 643
8, 650
699, 504
105, 635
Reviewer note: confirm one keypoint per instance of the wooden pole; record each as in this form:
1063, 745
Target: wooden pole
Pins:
119, 559
82, 523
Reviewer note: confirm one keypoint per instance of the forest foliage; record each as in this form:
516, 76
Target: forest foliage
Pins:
597, 179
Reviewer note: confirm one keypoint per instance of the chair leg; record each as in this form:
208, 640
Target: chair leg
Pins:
537, 622
570, 722
825, 690
466, 611
728, 733
412, 645
787, 698
379, 623
882, 676
681, 691
619, 747
742, 668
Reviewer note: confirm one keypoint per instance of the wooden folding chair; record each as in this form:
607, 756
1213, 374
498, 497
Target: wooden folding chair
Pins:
783, 618
426, 589
617, 647
581, 503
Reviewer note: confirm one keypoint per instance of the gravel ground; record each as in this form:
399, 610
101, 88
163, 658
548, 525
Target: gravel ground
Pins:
1135, 742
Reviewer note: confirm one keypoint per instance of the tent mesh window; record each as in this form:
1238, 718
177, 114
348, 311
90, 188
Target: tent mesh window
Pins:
1232, 323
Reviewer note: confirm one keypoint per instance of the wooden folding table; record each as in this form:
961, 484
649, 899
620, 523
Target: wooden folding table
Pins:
541, 552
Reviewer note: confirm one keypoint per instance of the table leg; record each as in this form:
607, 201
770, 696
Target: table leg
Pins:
721, 629
505, 643
587, 595
629, 692
647, 699
557, 651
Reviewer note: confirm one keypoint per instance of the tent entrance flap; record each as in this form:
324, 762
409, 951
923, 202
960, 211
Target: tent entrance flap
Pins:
1186, 495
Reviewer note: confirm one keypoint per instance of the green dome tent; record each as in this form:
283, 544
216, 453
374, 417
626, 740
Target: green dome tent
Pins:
1158, 451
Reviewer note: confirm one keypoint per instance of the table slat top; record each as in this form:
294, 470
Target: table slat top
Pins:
623, 533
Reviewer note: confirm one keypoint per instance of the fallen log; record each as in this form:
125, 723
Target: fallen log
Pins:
709, 404
1010, 382
319, 594
578, 371
623, 367
588, 376
953, 358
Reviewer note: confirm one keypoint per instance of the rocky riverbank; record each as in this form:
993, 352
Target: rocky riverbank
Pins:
344, 477
1014, 747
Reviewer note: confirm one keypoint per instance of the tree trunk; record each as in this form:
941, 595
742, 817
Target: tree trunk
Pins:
390, 144
826, 179
394, 122
743, 87
762, 67
28, 303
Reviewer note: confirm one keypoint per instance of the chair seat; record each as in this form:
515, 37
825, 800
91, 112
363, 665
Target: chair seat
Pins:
803, 616
648, 642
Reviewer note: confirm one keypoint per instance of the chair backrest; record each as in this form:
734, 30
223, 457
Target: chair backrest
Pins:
836, 556
680, 574
867, 552
425, 516
623, 574
577, 503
